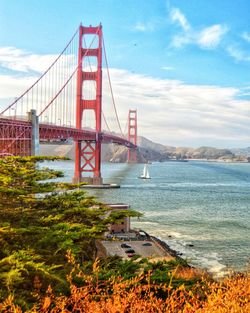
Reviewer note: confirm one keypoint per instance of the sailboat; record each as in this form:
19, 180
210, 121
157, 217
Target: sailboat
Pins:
145, 173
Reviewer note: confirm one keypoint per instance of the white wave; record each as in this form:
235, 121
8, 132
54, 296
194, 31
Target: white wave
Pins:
210, 262
177, 234
194, 184
154, 213
141, 186
147, 223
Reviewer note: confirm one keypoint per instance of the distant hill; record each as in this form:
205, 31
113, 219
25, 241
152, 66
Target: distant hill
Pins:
66, 150
241, 151
152, 151
211, 153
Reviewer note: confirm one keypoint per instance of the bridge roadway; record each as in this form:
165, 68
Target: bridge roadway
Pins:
11, 129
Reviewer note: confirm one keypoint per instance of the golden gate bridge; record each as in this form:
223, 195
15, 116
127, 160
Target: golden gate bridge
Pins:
57, 107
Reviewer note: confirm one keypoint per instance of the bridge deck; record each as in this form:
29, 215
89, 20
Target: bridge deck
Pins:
12, 129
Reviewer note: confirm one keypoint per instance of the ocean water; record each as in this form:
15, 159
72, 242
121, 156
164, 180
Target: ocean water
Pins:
200, 209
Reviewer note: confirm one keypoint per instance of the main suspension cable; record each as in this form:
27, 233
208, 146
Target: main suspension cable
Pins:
78, 65
111, 90
22, 95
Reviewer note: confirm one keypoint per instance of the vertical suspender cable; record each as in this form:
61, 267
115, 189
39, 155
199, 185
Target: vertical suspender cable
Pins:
111, 90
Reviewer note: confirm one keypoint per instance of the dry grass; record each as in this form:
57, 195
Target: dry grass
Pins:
131, 296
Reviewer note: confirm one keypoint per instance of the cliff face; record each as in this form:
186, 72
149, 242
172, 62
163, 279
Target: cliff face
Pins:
151, 151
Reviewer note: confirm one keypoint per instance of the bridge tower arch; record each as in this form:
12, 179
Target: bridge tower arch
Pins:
88, 152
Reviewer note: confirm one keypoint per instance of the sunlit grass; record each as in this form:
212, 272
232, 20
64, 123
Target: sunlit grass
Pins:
141, 294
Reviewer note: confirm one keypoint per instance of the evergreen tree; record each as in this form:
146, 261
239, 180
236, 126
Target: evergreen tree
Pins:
39, 222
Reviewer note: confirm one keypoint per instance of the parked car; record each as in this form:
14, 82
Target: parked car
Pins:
147, 244
130, 255
130, 251
124, 245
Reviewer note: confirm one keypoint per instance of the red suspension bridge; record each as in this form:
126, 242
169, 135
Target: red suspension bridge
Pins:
61, 104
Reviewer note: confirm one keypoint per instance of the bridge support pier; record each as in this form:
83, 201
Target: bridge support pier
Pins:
88, 160
88, 180
33, 118
92, 180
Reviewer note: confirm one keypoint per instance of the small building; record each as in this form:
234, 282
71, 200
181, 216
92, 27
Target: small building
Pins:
124, 226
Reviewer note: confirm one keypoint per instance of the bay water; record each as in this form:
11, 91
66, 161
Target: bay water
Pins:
200, 209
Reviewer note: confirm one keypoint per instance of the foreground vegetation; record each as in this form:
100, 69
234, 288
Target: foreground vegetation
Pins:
48, 259
141, 293
39, 222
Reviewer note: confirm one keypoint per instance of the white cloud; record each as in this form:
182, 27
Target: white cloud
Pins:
11, 86
177, 16
246, 36
169, 111
179, 41
211, 36
23, 61
143, 27
245, 91
208, 38
238, 54
167, 68
175, 113
140, 27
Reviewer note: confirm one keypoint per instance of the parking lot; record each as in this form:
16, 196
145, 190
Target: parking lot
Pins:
143, 248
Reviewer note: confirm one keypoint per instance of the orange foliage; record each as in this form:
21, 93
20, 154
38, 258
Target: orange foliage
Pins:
233, 295
132, 296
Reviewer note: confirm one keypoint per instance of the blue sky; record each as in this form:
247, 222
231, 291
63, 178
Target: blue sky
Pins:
189, 60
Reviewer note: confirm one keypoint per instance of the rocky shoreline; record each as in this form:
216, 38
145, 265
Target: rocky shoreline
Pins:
166, 247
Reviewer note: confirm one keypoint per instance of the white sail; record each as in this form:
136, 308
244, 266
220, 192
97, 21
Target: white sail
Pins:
145, 173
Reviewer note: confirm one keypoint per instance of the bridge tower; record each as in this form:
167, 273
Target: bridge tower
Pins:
132, 135
88, 152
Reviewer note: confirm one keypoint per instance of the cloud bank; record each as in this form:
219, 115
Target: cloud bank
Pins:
23, 61
169, 111
175, 113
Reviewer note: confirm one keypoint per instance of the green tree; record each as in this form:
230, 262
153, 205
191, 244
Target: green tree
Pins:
39, 222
